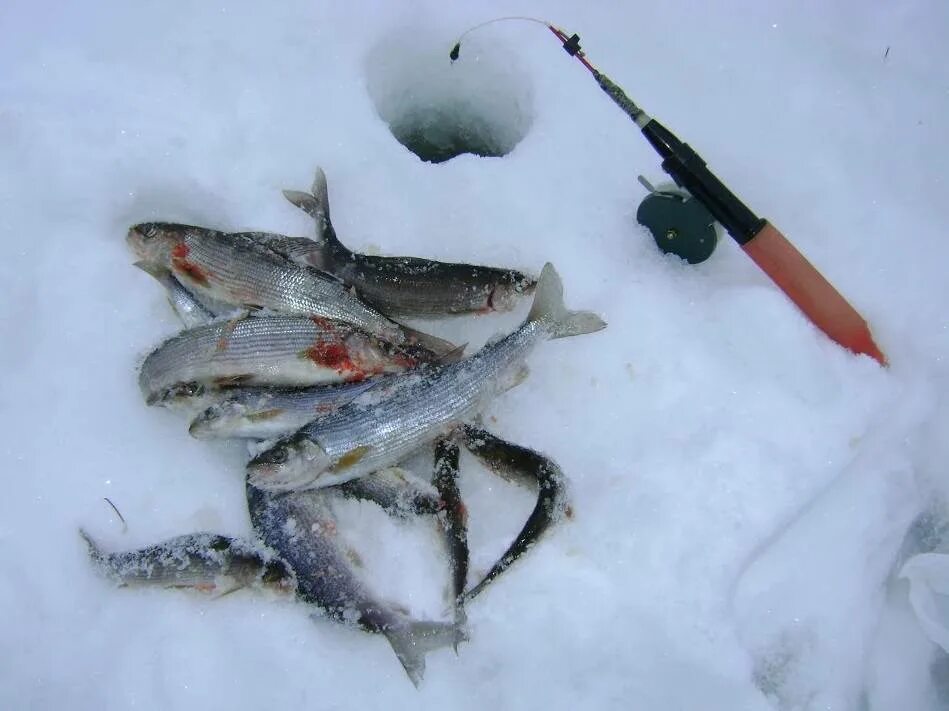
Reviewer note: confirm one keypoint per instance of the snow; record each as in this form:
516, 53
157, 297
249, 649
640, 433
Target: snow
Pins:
741, 486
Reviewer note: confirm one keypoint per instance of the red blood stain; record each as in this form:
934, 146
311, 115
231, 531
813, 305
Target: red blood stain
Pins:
323, 323
335, 355
180, 263
404, 361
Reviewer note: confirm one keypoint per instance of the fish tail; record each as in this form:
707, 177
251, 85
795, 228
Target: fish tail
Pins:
316, 204
98, 558
549, 308
413, 640
94, 551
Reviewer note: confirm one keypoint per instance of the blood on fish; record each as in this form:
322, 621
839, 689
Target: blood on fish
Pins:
337, 356
180, 263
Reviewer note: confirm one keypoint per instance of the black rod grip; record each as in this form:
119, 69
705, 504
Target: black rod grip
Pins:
690, 172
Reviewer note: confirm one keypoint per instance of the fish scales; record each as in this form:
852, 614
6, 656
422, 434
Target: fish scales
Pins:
272, 350
236, 269
373, 433
428, 405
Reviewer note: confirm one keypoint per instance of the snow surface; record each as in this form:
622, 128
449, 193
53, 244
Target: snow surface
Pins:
741, 485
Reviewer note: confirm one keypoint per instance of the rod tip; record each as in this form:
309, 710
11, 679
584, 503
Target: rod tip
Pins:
455, 51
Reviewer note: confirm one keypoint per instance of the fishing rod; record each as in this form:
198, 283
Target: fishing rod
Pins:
768, 248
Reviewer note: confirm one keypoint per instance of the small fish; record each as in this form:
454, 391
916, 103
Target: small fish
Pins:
266, 413
265, 350
401, 286
364, 436
302, 528
398, 492
522, 466
206, 562
236, 269
453, 521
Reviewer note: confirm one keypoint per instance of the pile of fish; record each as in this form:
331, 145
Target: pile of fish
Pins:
290, 343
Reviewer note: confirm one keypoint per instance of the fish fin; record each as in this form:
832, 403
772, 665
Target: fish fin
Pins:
548, 307
215, 595
309, 204
413, 640
320, 192
95, 553
444, 351
352, 457
513, 378
161, 275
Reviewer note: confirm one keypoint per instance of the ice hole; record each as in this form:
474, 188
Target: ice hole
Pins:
481, 104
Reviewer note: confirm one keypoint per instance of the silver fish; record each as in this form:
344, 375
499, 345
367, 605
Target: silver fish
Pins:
236, 269
202, 561
365, 436
522, 466
400, 286
266, 350
302, 528
266, 413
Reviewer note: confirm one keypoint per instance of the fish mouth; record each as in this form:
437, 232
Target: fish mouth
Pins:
288, 466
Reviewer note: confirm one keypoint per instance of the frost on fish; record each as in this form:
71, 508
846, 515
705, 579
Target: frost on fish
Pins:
453, 521
360, 438
301, 527
206, 562
523, 466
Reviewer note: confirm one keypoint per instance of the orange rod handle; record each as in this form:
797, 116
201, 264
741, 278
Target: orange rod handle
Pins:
812, 293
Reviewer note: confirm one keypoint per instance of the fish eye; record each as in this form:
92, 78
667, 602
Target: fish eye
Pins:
147, 229
279, 455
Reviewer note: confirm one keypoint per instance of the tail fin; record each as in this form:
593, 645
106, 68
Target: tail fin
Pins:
96, 555
549, 308
316, 204
413, 640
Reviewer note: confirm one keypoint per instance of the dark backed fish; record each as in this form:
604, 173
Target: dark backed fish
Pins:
302, 527
239, 270
453, 520
520, 465
202, 561
401, 286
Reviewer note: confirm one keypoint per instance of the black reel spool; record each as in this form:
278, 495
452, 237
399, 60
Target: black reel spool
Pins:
680, 224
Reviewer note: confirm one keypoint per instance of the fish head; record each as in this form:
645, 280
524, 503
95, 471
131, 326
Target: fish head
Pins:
217, 420
292, 463
153, 242
180, 395
504, 296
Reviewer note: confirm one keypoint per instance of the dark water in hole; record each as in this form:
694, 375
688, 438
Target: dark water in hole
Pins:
439, 134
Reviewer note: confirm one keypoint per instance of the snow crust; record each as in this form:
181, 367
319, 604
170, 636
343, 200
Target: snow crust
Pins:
741, 487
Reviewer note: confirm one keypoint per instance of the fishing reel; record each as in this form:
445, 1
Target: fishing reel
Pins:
679, 223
